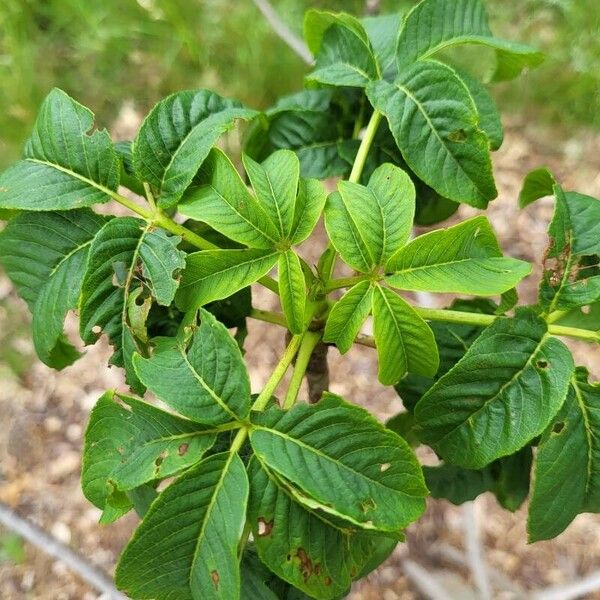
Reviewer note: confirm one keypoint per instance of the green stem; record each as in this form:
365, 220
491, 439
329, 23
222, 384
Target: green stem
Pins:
573, 332
268, 317
311, 339
344, 282
556, 315
238, 440
355, 174
442, 315
149, 196
365, 146
280, 370
189, 236
455, 316
467, 318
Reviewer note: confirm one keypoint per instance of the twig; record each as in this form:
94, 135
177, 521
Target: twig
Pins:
426, 583
578, 589
501, 581
284, 32
475, 551
51, 546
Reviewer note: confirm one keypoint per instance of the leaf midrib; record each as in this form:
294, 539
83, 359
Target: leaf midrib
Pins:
324, 456
230, 268
500, 391
396, 324
588, 433
205, 385
446, 264
421, 108
74, 174
209, 509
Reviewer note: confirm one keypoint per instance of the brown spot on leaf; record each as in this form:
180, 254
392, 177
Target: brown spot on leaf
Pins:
183, 449
558, 427
328, 581
542, 364
214, 575
306, 565
158, 462
384, 467
264, 527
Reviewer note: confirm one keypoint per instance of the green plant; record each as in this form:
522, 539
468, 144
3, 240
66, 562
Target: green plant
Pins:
274, 498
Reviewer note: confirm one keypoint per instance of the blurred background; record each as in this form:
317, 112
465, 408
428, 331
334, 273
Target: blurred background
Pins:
119, 57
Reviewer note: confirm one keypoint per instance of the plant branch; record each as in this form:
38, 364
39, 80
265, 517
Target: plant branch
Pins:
284, 32
357, 169
468, 318
345, 282
475, 553
149, 196
51, 546
268, 317
280, 370
365, 146
309, 342
238, 440
441, 315
162, 220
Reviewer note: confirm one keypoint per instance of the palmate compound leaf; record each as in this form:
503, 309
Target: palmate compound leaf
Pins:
343, 51
435, 123
203, 378
376, 487
64, 166
125, 254
177, 136
405, 343
129, 443
316, 553
571, 276
504, 392
463, 259
221, 199
45, 254
186, 546
368, 224
434, 25
567, 469
348, 315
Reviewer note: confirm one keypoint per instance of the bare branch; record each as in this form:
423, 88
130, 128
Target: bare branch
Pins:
475, 551
51, 546
577, 589
284, 32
